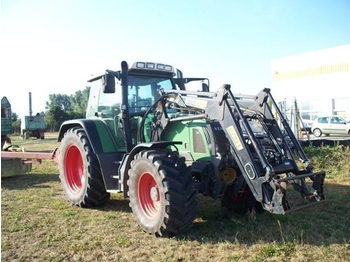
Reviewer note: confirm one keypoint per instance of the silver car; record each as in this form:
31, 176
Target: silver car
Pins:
330, 125
306, 125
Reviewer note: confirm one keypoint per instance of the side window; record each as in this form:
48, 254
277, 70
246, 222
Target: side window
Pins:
337, 120
323, 120
95, 88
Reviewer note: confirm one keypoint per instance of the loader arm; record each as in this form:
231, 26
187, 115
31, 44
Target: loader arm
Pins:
267, 168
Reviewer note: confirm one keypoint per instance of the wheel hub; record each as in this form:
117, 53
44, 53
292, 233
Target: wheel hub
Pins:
154, 194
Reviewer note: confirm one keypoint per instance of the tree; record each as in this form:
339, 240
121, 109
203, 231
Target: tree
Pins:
79, 101
16, 123
14, 117
55, 117
62, 101
62, 107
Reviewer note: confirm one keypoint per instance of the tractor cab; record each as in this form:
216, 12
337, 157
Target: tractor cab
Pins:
121, 98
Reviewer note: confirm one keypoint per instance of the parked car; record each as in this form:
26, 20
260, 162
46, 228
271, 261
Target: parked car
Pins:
306, 125
330, 125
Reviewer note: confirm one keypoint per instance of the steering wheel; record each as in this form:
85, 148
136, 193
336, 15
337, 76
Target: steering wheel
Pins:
145, 101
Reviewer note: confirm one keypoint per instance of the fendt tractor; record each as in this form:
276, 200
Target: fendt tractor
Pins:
161, 145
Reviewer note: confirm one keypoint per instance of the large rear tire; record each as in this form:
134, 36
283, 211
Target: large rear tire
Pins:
240, 201
80, 172
162, 195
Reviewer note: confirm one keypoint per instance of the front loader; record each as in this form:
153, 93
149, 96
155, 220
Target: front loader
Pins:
160, 145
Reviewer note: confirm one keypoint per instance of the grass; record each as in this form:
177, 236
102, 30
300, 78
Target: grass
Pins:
38, 224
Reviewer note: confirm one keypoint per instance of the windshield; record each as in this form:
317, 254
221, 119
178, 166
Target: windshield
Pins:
144, 91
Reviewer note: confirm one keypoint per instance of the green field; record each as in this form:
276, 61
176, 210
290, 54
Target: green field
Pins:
38, 224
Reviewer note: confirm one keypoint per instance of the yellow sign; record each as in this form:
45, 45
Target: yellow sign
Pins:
202, 104
237, 143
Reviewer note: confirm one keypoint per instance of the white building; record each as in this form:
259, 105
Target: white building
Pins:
319, 81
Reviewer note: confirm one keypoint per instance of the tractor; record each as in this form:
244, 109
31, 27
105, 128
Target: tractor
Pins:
161, 145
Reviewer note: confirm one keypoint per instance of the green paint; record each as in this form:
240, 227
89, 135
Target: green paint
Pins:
106, 140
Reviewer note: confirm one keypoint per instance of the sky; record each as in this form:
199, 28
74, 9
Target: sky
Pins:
54, 47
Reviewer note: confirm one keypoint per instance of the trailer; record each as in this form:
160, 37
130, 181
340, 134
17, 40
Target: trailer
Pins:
6, 121
33, 125
15, 161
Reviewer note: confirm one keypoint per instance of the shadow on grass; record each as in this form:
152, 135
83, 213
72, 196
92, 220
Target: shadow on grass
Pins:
324, 224
118, 205
22, 182
41, 181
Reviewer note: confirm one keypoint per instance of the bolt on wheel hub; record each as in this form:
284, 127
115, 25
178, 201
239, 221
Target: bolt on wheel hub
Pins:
154, 194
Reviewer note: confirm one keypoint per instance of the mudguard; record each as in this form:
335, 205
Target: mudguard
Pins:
125, 166
104, 146
101, 138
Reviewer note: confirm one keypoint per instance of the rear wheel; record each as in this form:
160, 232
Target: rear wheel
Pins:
162, 196
80, 172
240, 200
317, 132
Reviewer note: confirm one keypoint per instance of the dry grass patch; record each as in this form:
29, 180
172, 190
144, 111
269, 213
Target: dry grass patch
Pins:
38, 224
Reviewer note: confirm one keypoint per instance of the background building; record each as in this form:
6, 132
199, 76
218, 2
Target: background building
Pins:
319, 81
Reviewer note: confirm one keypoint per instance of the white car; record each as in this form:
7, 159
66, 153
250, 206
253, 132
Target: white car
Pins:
306, 125
330, 125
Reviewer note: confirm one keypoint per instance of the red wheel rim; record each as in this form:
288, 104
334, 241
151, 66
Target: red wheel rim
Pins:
148, 195
74, 169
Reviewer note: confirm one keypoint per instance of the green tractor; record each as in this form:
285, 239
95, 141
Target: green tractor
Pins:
161, 145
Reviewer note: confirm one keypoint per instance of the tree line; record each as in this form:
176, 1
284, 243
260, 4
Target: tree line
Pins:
59, 108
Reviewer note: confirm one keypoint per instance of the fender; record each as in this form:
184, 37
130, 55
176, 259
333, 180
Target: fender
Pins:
103, 145
95, 130
125, 166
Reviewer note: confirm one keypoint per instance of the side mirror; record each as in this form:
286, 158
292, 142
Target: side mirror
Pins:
108, 81
179, 81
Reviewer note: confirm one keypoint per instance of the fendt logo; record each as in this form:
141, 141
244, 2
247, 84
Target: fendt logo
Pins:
217, 128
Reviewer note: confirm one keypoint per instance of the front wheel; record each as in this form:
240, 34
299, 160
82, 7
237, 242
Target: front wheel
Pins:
162, 195
317, 132
239, 198
80, 172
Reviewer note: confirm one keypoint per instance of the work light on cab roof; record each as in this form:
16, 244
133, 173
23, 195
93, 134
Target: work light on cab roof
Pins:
153, 66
